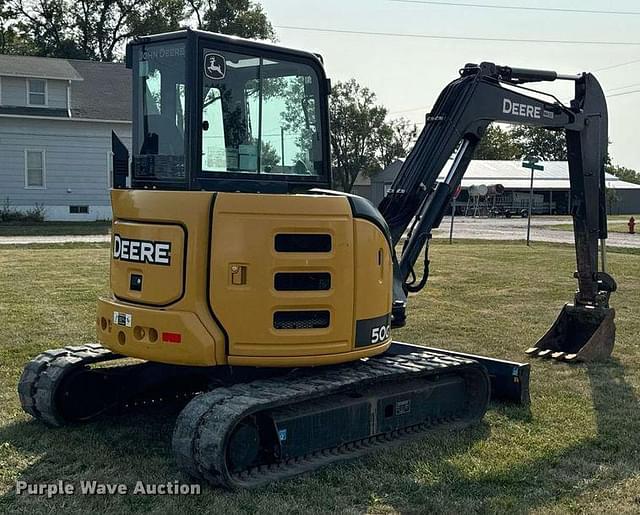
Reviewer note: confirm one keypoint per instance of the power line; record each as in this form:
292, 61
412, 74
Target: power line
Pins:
625, 87
518, 7
408, 110
624, 93
461, 38
608, 96
611, 67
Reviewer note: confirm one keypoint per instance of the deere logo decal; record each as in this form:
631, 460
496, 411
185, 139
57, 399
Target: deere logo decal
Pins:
142, 251
215, 66
525, 110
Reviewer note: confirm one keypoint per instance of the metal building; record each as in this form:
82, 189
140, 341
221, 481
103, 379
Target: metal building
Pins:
551, 186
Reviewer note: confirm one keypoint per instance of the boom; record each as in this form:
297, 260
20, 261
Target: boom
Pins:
489, 93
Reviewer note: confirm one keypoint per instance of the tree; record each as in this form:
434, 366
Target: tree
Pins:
106, 25
47, 25
546, 144
298, 118
269, 156
521, 141
497, 144
244, 18
611, 197
361, 139
11, 41
92, 29
354, 119
162, 16
99, 29
394, 139
622, 173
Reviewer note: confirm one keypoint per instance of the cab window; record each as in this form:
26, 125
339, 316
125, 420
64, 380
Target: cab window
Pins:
159, 131
259, 116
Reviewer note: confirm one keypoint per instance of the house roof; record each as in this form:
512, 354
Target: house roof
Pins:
37, 67
105, 92
512, 175
99, 91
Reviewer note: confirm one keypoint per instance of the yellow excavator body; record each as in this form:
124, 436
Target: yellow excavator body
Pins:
201, 278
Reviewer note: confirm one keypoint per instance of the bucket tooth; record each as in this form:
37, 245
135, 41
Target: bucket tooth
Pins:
580, 333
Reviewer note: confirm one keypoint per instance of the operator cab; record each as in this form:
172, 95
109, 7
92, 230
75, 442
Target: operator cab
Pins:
217, 113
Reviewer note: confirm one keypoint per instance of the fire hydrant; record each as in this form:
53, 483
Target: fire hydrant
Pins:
632, 225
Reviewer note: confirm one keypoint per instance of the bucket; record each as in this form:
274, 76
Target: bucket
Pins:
580, 333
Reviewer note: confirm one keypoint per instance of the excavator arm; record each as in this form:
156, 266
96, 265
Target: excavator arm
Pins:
417, 202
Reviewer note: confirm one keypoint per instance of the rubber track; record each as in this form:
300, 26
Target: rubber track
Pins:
42, 376
206, 423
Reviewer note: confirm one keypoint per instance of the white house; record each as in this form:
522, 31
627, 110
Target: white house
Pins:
56, 119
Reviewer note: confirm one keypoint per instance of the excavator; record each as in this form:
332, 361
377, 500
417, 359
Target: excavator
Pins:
246, 288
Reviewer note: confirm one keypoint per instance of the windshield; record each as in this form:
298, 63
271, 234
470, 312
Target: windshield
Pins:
259, 116
159, 79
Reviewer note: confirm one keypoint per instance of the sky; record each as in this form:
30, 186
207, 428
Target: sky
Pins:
408, 73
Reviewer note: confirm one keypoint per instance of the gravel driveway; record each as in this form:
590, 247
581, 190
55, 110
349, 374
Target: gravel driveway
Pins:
464, 227
516, 229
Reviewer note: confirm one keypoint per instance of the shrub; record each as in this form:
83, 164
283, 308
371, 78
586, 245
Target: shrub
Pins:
33, 215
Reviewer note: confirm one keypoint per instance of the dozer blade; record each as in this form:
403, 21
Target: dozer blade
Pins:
580, 333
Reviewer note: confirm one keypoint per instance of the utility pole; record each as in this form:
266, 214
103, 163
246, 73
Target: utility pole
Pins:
453, 212
531, 163
282, 143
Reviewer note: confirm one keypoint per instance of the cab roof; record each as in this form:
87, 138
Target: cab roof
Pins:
225, 39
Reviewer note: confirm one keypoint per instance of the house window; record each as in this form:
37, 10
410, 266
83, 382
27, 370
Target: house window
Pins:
37, 92
79, 210
34, 169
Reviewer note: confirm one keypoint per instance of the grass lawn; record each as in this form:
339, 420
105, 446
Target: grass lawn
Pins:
54, 228
576, 449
